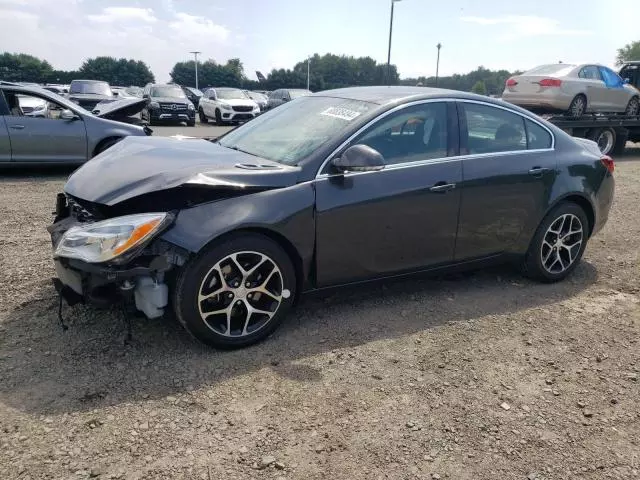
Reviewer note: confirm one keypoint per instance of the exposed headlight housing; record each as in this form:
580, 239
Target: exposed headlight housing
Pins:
154, 105
190, 106
106, 240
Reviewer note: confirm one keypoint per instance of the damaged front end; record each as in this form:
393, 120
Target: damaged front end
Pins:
103, 260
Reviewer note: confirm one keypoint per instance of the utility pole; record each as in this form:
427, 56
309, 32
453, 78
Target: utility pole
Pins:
390, 34
308, 71
195, 56
439, 46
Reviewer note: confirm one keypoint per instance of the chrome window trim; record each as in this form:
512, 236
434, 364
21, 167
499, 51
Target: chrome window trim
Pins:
320, 175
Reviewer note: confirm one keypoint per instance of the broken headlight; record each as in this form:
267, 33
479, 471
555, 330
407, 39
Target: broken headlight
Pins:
102, 241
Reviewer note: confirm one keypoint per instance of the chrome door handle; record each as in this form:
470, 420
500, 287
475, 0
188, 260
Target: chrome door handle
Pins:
538, 171
17, 127
442, 187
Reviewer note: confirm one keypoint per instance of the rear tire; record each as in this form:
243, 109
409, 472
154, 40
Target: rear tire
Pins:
633, 107
578, 106
606, 139
558, 245
203, 117
227, 307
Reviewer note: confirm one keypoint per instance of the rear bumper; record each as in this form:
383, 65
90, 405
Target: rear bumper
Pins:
559, 101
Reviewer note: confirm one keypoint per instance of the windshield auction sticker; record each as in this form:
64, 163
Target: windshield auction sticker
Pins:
341, 113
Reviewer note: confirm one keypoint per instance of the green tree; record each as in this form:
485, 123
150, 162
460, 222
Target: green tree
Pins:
116, 71
211, 74
630, 51
20, 67
479, 87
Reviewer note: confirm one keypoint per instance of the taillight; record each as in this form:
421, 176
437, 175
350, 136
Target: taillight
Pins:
550, 82
608, 162
511, 82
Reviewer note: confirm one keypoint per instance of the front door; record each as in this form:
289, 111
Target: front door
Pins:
509, 167
615, 94
402, 218
46, 138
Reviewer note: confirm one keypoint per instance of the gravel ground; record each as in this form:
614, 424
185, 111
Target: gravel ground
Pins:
484, 375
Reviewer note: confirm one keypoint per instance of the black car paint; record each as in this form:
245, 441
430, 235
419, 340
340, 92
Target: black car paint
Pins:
358, 226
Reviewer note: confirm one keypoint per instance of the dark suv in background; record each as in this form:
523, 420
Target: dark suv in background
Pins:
167, 103
89, 93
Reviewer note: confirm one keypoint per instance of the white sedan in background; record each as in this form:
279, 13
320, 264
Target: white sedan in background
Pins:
574, 89
226, 105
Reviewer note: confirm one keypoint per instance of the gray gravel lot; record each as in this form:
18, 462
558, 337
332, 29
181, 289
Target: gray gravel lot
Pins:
484, 375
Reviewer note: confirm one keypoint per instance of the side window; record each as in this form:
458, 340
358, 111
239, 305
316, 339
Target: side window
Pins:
591, 72
537, 137
410, 135
492, 129
611, 79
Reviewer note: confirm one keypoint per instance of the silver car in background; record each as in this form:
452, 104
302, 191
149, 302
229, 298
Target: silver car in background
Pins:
574, 89
62, 133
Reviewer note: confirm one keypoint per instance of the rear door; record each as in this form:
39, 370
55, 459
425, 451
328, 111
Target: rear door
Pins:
46, 139
509, 167
595, 88
615, 94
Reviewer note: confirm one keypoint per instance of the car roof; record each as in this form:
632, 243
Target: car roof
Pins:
25, 88
89, 81
398, 94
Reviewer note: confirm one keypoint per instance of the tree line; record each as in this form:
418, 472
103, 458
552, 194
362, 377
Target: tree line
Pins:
326, 72
20, 67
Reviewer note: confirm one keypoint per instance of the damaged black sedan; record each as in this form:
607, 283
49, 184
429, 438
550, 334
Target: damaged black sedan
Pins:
339, 187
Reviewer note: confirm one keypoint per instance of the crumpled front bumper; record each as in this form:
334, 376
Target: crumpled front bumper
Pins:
140, 280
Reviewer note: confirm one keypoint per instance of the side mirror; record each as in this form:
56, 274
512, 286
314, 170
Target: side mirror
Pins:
359, 158
67, 115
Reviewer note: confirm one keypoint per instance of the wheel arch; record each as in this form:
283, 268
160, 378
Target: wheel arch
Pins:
582, 201
103, 142
282, 241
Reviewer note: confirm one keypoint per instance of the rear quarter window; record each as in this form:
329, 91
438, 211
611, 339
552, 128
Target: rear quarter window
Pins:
537, 136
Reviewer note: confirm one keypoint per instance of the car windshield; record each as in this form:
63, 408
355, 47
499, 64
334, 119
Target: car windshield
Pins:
94, 88
299, 93
230, 94
295, 130
168, 91
558, 69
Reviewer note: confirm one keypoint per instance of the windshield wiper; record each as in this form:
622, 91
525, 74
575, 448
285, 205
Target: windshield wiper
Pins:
239, 150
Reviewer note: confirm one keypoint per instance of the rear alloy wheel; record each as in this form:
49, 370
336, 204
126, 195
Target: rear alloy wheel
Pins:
578, 106
605, 138
559, 243
236, 293
203, 117
633, 107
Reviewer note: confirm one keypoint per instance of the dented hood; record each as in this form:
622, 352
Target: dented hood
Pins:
120, 108
140, 165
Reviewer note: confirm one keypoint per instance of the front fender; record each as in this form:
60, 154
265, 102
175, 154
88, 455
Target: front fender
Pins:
287, 212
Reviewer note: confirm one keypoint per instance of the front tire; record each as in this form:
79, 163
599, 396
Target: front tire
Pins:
236, 292
633, 107
203, 117
218, 117
558, 245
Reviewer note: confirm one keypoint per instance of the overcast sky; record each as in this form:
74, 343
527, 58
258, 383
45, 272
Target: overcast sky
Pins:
277, 33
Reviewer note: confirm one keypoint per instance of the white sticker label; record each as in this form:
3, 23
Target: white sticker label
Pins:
341, 113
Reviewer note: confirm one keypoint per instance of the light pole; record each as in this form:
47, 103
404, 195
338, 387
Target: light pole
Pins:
308, 71
195, 56
439, 46
389, 53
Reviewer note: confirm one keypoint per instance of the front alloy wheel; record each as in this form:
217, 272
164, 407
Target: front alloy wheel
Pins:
235, 293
